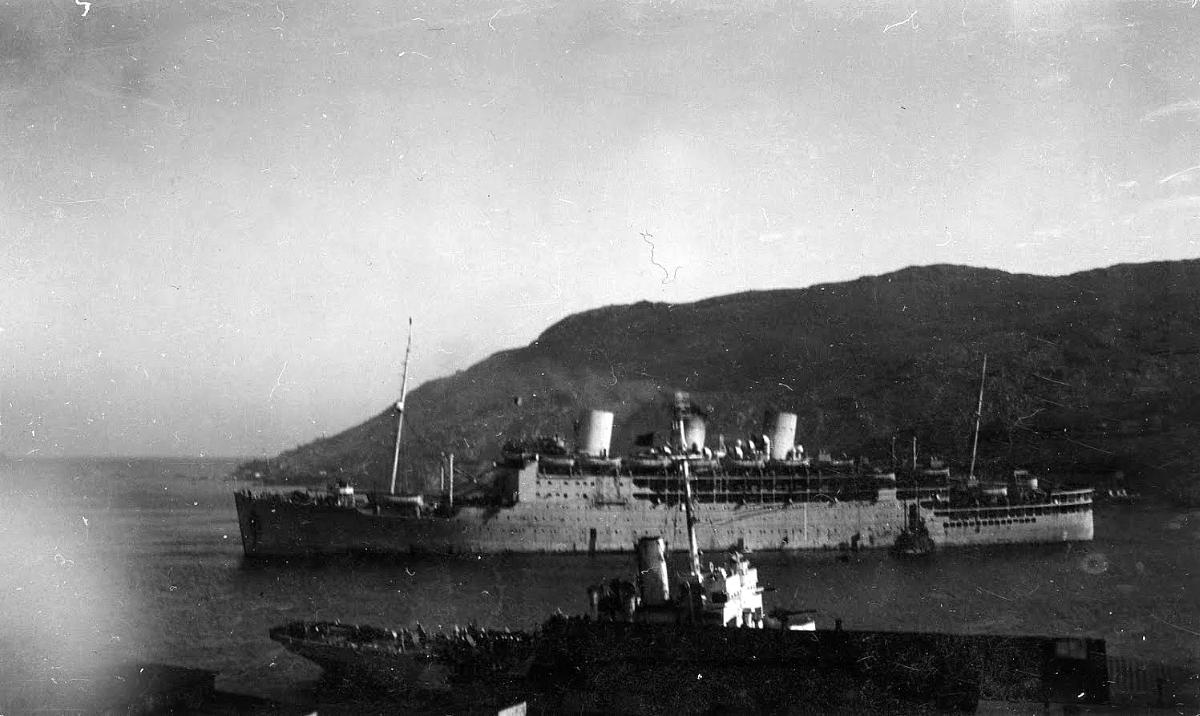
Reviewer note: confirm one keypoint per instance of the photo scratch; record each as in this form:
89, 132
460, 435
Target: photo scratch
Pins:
668, 277
905, 21
1178, 174
278, 381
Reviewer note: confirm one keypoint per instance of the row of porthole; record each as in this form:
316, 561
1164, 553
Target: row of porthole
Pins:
1035, 513
1057, 509
577, 483
562, 520
975, 523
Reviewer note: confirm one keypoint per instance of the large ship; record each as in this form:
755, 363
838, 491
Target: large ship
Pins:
758, 494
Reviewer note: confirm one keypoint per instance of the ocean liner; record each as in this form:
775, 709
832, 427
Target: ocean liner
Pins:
758, 494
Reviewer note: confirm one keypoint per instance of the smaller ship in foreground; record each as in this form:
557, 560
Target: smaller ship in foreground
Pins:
914, 539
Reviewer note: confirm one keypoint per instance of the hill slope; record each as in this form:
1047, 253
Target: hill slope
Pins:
1093, 371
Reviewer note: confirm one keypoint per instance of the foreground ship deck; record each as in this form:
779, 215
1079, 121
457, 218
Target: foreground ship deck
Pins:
707, 646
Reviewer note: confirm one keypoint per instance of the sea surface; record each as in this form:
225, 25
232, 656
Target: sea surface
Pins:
113, 561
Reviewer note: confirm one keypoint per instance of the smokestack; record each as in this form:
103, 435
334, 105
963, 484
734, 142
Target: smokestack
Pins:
652, 571
596, 436
781, 429
694, 431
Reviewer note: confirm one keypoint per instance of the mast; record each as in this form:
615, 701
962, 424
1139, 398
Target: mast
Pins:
978, 415
693, 550
400, 410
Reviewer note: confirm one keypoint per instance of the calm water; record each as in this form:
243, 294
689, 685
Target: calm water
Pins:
115, 560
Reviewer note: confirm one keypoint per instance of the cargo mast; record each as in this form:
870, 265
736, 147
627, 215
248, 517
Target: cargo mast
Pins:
978, 415
400, 410
693, 549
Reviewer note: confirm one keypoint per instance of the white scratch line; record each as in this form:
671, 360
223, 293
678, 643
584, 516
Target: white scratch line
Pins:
902, 22
414, 52
1166, 111
1181, 172
278, 381
85, 5
493, 17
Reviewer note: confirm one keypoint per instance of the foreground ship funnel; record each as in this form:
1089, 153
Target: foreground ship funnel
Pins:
596, 436
781, 429
652, 571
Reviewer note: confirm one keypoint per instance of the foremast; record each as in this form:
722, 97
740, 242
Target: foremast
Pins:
400, 410
682, 408
978, 417
689, 511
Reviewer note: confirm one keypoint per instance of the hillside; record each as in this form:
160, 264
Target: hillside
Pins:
1088, 373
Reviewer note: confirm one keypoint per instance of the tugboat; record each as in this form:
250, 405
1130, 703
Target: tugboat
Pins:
914, 539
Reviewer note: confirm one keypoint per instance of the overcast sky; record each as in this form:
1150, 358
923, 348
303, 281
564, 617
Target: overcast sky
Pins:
215, 217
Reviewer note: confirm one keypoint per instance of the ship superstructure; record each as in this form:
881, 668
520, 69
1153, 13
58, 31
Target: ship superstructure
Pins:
760, 494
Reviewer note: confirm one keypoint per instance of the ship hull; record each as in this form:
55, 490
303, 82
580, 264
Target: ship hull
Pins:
275, 527
1073, 527
1065, 517
622, 667
380, 669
